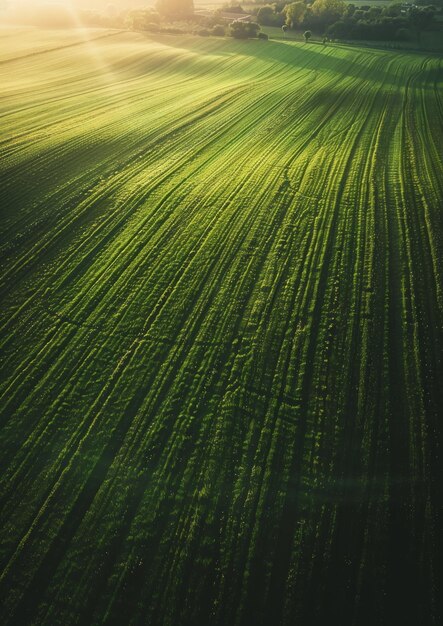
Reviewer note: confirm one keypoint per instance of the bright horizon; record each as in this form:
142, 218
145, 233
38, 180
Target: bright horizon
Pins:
80, 4
12, 6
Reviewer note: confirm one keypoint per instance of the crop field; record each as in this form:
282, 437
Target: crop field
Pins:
221, 332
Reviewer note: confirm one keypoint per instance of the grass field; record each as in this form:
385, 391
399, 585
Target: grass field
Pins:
221, 332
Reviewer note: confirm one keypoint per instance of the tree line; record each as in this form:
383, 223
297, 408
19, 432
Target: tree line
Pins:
336, 19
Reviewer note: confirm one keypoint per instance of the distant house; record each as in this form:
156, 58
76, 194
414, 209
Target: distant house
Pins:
235, 17
225, 16
204, 13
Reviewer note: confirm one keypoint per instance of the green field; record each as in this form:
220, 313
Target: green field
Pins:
222, 338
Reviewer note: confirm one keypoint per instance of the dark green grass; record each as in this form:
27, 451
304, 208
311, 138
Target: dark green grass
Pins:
221, 332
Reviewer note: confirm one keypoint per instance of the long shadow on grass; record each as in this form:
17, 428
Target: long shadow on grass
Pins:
352, 62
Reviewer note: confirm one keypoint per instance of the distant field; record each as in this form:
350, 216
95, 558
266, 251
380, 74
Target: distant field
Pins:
221, 332
18, 42
430, 41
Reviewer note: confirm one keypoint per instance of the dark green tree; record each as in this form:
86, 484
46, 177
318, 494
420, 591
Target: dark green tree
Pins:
265, 15
243, 30
294, 13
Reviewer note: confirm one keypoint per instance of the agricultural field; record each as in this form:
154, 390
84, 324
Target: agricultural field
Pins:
221, 332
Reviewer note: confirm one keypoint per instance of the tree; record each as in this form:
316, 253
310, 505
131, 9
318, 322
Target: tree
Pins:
243, 30
307, 35
339, 30
325, 12
422, 19
218, 30
265, 15
294, 13
175, 8
268, 15
350, 10
393, 10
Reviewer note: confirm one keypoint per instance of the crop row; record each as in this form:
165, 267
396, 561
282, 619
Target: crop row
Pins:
222, 334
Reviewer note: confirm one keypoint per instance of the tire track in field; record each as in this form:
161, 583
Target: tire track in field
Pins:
58, 48
194, 457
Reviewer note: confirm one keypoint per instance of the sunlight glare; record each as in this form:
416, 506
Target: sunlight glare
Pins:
93, 49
